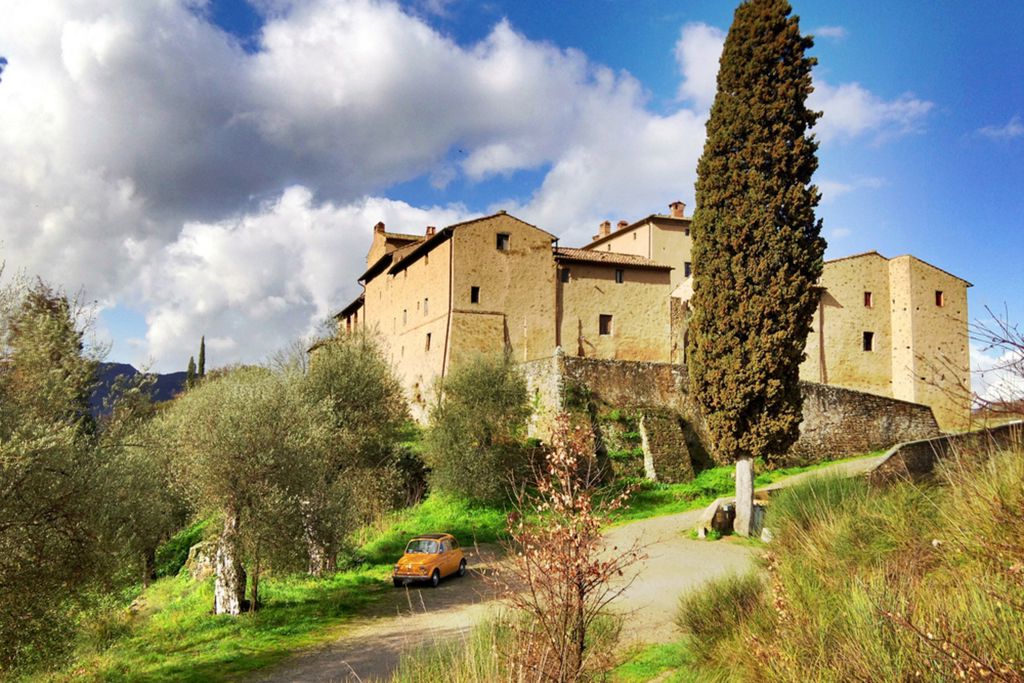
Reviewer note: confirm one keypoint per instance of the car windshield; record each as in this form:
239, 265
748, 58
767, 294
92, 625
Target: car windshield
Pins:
421, 545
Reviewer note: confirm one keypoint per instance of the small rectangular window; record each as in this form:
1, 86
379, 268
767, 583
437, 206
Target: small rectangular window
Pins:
428, 342
620, 275
503, 241
940, 298
405, 316
869, 301
634, 234
474, 295
869, 341
426, 304
604, 323
565, 274
687, 269
686, 231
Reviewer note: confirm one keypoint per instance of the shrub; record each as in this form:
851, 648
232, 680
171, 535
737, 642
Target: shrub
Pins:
713, 613
171, 556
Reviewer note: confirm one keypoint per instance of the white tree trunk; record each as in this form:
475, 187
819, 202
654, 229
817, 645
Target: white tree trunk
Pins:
229, 586
744, 496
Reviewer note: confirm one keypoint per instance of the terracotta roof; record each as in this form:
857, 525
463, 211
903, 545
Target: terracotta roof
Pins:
403, 237
633, 226
358, 303
607, 258
404, 259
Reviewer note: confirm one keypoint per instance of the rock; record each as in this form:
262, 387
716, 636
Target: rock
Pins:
718, 516
200, 562
766, 535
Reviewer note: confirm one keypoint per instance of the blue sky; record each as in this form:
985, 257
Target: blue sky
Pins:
216, 168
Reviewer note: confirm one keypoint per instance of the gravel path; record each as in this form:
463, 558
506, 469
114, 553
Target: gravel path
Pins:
412, 618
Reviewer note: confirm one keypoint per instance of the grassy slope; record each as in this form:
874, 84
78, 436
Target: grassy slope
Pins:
174, 637
876, 585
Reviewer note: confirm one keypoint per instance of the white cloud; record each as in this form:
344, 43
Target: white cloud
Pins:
832, 32
997, 375
697, 53
253, 282
850, 110
838, 233
832, 190
1014, 128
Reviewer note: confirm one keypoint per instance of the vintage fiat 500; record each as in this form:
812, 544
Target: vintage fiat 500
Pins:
430, 558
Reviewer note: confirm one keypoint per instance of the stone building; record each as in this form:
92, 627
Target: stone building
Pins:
892, 327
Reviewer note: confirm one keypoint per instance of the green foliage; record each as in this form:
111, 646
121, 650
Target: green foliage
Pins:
201, 366
756, 242
887, 584
476, 442
651, 662
190, 374
171, 556
714, 612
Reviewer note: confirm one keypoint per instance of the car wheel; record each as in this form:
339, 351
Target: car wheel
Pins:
398, 583
435, 578
462, 568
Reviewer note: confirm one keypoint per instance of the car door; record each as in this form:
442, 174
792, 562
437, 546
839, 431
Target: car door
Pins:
446, 558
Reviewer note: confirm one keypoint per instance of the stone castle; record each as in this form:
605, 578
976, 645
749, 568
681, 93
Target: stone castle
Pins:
894, 328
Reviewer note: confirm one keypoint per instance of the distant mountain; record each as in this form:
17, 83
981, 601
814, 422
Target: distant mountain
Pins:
164, 389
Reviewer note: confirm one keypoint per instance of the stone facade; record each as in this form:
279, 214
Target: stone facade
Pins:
892, 327
837, 422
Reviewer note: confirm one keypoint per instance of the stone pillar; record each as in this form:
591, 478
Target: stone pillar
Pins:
744, 496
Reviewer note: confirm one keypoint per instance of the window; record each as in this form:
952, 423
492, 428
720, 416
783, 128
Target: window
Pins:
940, 298
869, 301
608, 247
426, 259
620, 275
503, 241
687, 269
634, 234
686, 231
565, 274
405, 316
474, 295
604, 324
427, 347
426, 303
869, 341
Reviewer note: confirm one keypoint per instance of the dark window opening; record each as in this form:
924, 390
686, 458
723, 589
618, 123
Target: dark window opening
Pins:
604, 323
620, 275
687, 269
405, 316
940, 298
428, 342
474, 295
426, 303
869, 341
565, 274
503, 241
869, 301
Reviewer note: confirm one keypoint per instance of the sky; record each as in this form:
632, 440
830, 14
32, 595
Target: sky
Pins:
215, 167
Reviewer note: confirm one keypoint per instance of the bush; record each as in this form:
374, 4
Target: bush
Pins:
713, 613
476, 444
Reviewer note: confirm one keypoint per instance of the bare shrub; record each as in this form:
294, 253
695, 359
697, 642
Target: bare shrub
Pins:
562, 576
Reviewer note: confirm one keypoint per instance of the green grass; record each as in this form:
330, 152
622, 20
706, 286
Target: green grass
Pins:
904, 583
655, 499
650, 661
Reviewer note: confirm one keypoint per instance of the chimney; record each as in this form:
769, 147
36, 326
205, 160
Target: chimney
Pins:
431, 231
621, 224
379, 227
603, 231
677, 209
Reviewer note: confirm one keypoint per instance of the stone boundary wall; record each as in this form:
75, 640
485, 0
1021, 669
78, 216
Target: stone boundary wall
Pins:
837, 422
917, 460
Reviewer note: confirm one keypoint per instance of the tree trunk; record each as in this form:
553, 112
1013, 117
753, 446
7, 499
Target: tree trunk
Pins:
321, 556
229, 586
744, 496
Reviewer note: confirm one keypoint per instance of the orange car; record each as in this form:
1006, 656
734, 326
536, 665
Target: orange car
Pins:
430, 557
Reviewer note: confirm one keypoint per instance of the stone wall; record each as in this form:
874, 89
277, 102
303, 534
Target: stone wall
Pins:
837, 422
917, 460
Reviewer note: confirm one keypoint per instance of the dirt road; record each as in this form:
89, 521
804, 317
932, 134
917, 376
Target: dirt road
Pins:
675, 565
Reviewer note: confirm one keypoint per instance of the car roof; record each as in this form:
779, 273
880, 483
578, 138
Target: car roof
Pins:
432, 536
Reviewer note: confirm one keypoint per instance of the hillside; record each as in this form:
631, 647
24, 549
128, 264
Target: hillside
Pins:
165, 387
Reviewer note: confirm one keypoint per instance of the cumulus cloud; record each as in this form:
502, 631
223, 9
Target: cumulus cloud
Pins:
832, 190
1014, 128
697, 53
145, 153
997, 374
832, 32
850, 110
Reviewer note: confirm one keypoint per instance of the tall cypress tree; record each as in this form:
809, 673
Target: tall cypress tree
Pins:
190, 374
202, 357
756, 243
